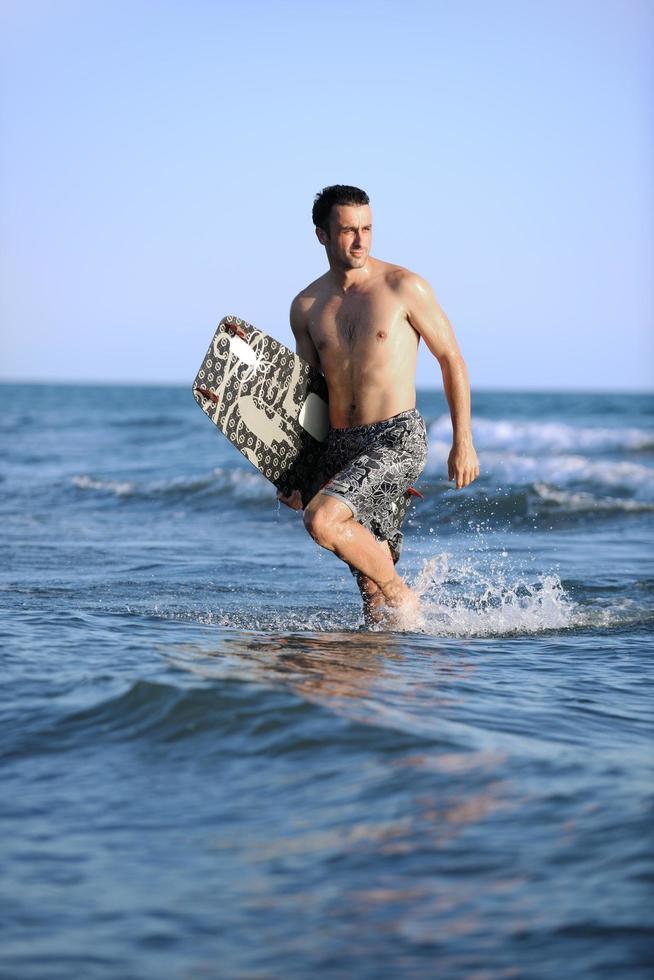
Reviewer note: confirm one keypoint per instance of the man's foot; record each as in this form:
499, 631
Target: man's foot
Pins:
373, 612
402, 608
407, 618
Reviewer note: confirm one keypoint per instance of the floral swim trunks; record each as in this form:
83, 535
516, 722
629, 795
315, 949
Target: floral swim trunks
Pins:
372, 466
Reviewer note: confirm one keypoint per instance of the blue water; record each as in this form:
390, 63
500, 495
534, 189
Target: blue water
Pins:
209, 769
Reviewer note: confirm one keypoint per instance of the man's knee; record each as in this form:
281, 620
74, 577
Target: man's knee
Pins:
319, 525
326, 518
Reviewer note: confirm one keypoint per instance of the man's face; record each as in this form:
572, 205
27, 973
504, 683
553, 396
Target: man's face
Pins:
350, 235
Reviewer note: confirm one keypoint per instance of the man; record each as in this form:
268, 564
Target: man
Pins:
360, 324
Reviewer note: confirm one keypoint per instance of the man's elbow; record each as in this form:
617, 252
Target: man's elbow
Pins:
452, 361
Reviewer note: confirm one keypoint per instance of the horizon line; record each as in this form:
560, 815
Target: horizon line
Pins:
87, 383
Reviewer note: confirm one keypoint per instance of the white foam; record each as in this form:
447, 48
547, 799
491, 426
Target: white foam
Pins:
580, 501
564, 470
550, 437
120, 488
511, 468
244, 483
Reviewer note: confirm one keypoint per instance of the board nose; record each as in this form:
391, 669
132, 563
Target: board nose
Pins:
207, 393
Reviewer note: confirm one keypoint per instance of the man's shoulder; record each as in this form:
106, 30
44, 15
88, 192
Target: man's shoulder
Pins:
303, 302
310, 293
401, 279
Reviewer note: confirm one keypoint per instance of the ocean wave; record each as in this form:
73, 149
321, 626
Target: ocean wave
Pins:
120, 488
241, 484
608, 484
563, 471
517, 495
509, 435
156, 710
511, 469
584, 502
529, 507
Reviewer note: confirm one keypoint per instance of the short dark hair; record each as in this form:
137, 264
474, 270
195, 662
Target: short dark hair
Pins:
335, 194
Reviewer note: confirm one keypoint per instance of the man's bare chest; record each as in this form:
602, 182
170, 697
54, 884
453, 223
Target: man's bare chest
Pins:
354, 321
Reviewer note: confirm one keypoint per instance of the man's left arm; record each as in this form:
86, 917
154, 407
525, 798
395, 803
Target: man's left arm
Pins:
428, 319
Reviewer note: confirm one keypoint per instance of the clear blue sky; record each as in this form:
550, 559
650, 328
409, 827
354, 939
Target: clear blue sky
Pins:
158, 163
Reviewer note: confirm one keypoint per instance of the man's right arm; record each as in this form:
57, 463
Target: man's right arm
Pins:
304, 345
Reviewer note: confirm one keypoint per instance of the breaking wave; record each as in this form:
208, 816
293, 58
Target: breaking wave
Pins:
239, 483
512, 436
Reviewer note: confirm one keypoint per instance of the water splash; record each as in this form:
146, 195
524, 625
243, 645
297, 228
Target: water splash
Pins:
481, 594
471, 597
475, 598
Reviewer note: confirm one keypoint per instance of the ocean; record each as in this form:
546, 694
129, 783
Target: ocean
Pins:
209, 768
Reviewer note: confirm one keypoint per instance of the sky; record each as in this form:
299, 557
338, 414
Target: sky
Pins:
158, 163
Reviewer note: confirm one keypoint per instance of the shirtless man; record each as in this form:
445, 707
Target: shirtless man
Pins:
360, 324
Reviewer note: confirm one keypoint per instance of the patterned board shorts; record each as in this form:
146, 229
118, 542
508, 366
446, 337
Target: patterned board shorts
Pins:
372, 466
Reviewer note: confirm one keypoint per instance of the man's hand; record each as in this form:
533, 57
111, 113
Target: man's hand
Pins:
294, 499
462, 464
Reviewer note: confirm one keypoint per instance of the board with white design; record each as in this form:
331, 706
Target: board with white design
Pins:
269, 402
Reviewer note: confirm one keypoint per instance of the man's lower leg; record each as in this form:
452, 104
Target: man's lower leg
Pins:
357, 546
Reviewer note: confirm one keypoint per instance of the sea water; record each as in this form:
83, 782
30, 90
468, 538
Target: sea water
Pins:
211, 769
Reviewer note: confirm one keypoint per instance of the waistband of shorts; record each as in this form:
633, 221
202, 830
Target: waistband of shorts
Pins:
410, 413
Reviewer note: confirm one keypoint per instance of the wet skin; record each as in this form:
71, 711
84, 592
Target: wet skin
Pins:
360, 324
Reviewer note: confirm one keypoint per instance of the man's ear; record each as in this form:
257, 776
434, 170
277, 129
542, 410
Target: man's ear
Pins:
322, 235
